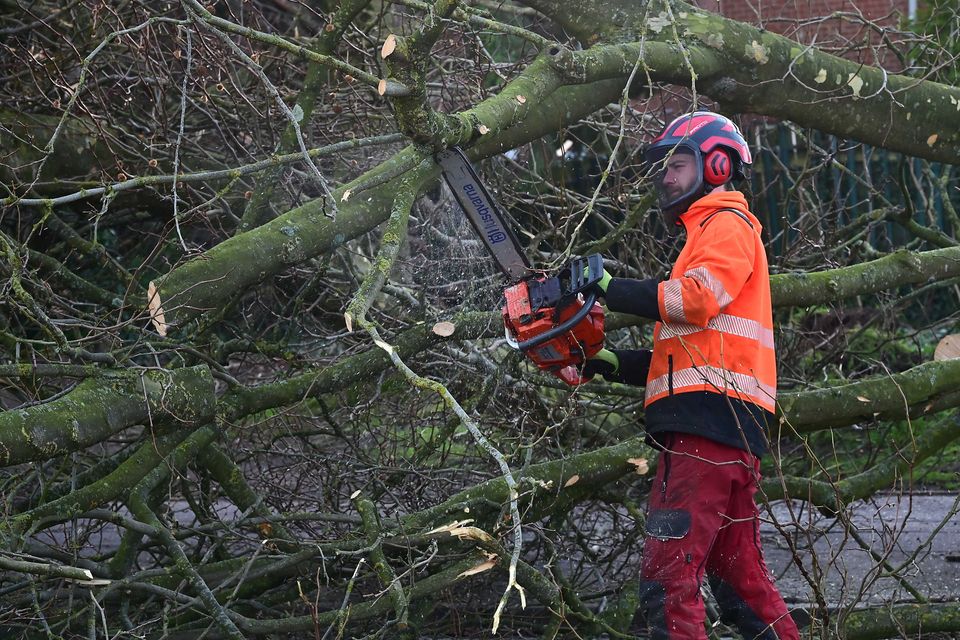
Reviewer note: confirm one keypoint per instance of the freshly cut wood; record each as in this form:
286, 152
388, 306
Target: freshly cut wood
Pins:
156, 309
948, 348
444, 329
389, 46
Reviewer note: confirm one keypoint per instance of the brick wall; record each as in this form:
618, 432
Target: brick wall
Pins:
761, 12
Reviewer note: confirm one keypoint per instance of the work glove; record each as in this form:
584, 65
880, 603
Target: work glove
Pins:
605, 363
604, 281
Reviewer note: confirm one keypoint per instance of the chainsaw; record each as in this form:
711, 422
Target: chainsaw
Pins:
554, 320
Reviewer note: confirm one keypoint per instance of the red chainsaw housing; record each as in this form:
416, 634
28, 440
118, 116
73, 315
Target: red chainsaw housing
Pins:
564, 354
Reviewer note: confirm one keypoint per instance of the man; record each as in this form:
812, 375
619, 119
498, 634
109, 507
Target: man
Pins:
710, 390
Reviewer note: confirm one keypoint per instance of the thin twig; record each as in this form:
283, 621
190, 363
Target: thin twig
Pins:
292, 118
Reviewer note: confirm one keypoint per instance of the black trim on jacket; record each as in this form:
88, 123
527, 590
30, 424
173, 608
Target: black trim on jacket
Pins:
716, 416
720, 417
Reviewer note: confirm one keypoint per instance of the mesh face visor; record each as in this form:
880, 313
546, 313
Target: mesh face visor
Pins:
674, 198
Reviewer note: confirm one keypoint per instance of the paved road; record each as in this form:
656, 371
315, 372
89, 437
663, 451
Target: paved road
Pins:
901, 530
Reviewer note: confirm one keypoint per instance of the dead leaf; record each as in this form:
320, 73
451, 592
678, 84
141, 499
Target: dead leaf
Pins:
643, 467
266, 529
348, 320
948, 348
572, 480
480, 568
156, 309
444, 329
521, 99
932, 140
389, 46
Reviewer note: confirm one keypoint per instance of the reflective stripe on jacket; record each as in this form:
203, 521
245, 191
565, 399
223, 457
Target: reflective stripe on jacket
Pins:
716, 333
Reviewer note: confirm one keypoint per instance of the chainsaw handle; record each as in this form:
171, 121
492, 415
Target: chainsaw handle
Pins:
563, 327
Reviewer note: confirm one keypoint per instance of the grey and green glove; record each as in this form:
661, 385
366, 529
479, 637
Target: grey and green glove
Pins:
605, 363
604, 281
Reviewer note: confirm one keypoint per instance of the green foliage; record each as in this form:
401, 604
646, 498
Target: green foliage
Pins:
939, 21
835, 454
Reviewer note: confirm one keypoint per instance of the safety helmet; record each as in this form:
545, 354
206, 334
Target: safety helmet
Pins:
720, 156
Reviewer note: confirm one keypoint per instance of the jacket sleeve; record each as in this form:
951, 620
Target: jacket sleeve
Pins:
718, 267
638, 297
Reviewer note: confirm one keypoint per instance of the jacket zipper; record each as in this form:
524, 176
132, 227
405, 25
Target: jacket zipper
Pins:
670, 374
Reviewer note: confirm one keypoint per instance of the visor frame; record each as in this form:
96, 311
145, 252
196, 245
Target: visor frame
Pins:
656, 157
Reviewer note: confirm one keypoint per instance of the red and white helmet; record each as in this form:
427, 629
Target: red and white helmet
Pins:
721, 154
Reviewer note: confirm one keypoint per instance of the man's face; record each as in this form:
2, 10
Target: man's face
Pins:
679, 174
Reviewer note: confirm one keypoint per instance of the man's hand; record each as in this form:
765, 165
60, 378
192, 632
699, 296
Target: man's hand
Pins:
604, 281
605, 363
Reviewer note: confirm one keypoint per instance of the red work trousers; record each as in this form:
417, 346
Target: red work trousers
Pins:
702, 522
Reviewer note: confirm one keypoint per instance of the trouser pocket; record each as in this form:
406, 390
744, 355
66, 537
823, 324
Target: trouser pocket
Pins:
668, 524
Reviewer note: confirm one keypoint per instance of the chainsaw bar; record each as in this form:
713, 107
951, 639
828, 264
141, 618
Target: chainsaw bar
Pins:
483, 213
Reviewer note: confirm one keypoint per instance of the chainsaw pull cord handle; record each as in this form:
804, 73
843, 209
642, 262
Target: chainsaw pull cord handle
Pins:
560, 329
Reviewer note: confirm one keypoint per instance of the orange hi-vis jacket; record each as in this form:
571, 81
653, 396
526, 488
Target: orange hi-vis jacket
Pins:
716, 333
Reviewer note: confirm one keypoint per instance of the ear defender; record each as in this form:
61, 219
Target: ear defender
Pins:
717, 167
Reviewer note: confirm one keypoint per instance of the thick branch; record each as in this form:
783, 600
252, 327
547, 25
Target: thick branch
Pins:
752, 70
209, 281
833, 497
883, 397
97, 409
102, 490
904, 620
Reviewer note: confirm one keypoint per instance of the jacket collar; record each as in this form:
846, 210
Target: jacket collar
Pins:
713, 202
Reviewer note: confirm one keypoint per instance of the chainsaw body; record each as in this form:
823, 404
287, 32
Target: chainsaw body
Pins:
556, 321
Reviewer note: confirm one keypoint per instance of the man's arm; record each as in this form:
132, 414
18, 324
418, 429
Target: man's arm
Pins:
719, 265
638, 297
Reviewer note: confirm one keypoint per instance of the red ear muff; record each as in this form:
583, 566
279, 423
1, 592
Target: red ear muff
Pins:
717, 168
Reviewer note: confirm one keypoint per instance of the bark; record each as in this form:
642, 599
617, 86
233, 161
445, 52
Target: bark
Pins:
97, 409
886, 273
139, 501
926, 388
543, 485
900, 620
101, 490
